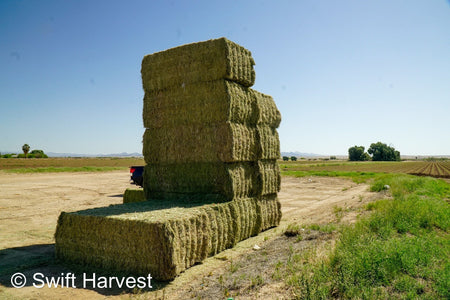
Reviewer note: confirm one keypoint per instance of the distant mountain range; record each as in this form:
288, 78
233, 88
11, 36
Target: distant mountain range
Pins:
300, 154
136, 154
123, 154
54, 154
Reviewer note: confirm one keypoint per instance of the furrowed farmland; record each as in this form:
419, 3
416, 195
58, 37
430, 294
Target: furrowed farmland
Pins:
439, 169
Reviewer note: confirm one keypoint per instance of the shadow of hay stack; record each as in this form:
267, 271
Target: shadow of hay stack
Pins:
211, 178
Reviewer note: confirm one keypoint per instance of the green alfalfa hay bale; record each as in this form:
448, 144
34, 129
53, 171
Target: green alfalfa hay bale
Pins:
269, 142
214, 229
208, 103
269, 211
267, 111
196, 240
200, 103
181, 230
220, 181
236, 212
173, 196
178, 233
225, 142
228, 230
226, 181
204, 61
133, 195
157, 237
241, 217
270, 177
101, 245
205, 227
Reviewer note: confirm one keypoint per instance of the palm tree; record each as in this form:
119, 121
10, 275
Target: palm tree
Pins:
26, 149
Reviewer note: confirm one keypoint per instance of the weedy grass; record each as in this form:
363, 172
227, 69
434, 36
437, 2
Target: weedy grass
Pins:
401, 250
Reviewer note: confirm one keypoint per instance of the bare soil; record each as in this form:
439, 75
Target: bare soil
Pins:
31, 203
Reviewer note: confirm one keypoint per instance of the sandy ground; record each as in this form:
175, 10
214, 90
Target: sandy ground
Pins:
31, 203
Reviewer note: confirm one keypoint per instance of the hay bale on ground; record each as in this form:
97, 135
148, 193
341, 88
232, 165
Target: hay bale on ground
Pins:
226, 142
230, 180
160, 238
133, 195
269, 176
201, 103
203, 61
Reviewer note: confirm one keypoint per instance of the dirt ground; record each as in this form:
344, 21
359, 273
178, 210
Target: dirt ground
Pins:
31, 203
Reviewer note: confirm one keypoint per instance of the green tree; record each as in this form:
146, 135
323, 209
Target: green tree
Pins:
285, 158
294, 158
25, 149
356, 153
38, 154
383, 152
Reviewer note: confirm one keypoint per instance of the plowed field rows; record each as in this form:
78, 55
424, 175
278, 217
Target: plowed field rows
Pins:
435, 169
439, 169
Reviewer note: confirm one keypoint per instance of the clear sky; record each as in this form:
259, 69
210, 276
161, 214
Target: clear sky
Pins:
342, 73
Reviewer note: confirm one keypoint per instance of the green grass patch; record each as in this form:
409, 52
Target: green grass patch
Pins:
64, 169
358, 177
401, 250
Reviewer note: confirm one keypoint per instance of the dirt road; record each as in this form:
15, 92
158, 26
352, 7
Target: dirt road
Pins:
31, 203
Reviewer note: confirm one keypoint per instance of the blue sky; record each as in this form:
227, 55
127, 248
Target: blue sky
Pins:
342, 73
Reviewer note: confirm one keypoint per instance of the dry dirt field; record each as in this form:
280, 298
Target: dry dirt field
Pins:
31, 203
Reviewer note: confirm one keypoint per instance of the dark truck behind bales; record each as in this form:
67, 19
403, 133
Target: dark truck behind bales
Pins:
137, 175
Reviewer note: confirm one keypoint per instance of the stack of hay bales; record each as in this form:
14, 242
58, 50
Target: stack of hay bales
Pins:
207, 132
211, 178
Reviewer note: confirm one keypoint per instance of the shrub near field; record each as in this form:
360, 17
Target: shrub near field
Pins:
59, 162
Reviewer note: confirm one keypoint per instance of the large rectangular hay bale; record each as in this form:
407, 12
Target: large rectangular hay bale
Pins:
204, 61
158, 237
225, 142
269, 142
268, 113
202, 103
270, 177
230, 180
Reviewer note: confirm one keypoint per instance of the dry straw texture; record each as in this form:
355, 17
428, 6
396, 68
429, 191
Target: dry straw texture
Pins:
200, 103
268, 113
160, 237
229, 180
226, 142
133, 195
209, 103
203, 61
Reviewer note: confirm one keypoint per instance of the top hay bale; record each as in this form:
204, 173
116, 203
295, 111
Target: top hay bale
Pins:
203, 61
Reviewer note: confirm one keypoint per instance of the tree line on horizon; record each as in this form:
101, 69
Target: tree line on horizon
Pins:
26, 153
376, 152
